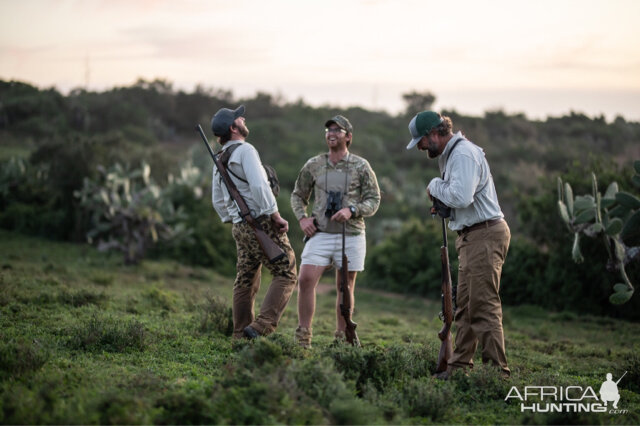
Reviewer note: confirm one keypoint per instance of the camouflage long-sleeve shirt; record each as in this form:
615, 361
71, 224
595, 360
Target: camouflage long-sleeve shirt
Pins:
321, 176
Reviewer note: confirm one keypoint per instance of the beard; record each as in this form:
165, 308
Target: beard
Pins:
432, 153
432, 148
243, 130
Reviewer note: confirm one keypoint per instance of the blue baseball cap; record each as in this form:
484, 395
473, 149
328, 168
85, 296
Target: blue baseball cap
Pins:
224, 118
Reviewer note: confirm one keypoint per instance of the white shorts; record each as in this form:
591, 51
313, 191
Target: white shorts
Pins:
324, 249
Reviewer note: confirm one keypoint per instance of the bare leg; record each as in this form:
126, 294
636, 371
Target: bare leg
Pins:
308, 280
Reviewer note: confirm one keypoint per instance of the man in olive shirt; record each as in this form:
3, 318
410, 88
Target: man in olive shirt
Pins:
346, 191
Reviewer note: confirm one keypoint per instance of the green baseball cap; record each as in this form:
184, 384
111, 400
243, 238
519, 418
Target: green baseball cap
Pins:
422, 124
341, 121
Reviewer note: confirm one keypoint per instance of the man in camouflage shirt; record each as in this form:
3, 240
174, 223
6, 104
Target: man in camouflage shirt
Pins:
346, 190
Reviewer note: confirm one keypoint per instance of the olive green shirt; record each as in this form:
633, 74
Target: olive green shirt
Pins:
353, 173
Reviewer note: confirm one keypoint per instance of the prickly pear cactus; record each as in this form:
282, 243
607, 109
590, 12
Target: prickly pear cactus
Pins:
614, 217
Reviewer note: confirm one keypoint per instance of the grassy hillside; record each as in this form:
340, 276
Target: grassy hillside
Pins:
84, 340
53, 142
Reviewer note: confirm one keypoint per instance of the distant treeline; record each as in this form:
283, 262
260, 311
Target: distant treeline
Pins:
64, 138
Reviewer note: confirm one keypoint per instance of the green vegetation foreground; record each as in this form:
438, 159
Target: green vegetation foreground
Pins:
85, 339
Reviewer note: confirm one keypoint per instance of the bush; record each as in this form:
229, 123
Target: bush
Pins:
217, 316
193, 407
425, 398
211, 243
270, 378
380, 367
409, 261
631, 364
21, 357
130, 213
483, 384
119, 409
106, 334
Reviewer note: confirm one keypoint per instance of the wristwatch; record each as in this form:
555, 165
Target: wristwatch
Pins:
352, 209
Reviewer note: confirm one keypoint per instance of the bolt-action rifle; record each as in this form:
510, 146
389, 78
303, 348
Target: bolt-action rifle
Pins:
446, 346
346, 305
268, 246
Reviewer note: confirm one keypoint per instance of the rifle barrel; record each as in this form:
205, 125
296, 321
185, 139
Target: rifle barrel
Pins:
444, 233
205, 140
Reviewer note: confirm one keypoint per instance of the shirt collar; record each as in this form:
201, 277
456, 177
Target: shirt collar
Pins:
233, 142
453, 139
342, 160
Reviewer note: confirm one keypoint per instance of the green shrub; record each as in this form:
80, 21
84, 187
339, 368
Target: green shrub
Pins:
631, 364
163, 299
191, 407
129, 212
319, 380
211, 243
426, 398
381, 366
18, 357
270, 379
107, 334
20, 404
352, 411
217, 316
483, 384
409, 260
259, 353
122, 409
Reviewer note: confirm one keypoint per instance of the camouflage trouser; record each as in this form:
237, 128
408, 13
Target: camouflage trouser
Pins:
249, 265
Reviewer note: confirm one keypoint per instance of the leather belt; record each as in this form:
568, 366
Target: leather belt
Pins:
485, 224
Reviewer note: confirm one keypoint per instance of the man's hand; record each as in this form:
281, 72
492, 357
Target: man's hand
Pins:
281, 225
308, 226
342, 215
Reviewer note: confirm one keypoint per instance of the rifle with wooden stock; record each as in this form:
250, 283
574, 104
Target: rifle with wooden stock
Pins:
268, 246
446, 345
345, 307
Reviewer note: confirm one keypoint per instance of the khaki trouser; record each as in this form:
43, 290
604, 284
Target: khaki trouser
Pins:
478, 318
247, 283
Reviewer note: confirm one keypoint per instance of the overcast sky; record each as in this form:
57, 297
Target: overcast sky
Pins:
538, 57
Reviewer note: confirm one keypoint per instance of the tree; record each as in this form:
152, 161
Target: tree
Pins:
417, 102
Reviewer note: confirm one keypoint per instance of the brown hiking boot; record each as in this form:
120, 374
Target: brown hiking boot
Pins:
303, 337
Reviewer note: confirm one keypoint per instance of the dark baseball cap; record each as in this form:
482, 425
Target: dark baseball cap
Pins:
224, 118
341, 121
422, 124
